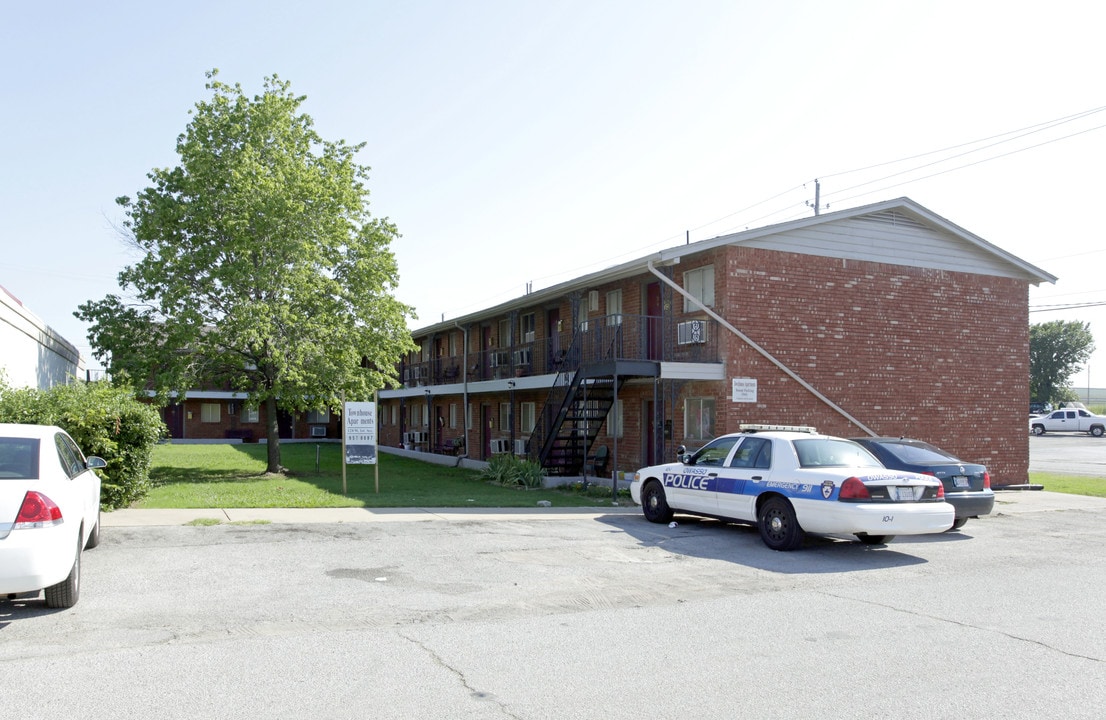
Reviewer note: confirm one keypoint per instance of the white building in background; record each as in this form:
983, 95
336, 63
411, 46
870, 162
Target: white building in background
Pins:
31, 353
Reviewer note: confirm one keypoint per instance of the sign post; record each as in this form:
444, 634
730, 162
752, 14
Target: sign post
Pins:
359, 438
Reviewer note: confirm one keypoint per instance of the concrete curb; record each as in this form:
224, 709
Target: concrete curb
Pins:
300, 516
1007, 502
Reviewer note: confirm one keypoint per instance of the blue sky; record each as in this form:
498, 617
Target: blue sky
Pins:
538, 141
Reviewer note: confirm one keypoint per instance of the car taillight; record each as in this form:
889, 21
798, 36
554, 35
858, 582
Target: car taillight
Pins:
853, 489
940, 490
37, 511
986, 480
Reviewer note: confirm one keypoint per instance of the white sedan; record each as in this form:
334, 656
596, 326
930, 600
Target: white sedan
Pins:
49, 513
790, 481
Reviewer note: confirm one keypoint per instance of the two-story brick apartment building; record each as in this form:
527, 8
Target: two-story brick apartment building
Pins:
885, 319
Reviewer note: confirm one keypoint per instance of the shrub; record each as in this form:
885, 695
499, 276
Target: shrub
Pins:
104, 420
506, 469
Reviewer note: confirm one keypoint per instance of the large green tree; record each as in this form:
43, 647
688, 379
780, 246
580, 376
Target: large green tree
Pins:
263, 270
1057, 350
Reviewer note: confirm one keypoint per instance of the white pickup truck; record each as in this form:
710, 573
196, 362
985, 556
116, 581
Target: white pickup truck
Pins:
1069, 420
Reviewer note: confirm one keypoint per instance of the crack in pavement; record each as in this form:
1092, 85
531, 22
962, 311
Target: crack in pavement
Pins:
473, 692
970, 626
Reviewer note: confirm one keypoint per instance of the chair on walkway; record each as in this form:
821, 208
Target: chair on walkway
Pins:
596, 465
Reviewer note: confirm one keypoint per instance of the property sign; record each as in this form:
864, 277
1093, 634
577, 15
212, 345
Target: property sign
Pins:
359, 428
745, 390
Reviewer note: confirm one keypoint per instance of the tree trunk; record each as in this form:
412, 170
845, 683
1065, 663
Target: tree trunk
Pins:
273, 433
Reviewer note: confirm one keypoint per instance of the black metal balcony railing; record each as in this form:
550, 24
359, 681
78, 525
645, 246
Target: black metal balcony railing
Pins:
619, 337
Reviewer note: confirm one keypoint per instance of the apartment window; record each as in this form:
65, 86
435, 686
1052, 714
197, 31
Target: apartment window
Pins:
209, 412
614, 307
528, 327
318, 417
614, 420
505, 417
582, 316
452, 416
700, 284
699, 418
395, 413
453, 344
526, 416
249, 415
504, 333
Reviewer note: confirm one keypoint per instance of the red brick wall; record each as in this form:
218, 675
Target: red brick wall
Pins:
931, 354
230, 425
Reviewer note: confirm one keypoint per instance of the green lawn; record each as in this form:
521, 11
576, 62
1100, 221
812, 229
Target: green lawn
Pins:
1071, 484
233, 476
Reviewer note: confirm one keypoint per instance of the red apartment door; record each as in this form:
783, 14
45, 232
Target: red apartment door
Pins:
654, 326
174, 420
552, 332
486, 352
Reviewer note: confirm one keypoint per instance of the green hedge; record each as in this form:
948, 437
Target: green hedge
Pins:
105, 420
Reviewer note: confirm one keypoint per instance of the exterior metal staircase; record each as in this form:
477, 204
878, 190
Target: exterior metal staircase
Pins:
580, 400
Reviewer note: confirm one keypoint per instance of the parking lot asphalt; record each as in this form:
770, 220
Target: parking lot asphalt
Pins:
427, 613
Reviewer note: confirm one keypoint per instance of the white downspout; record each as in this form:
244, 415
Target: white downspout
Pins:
749, 341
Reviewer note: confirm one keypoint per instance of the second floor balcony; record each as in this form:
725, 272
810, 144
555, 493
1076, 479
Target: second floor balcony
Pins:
611, 337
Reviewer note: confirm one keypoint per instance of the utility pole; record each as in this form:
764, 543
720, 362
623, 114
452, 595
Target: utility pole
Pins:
817, 204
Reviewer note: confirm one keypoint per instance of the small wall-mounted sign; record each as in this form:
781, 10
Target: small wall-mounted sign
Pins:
745, 390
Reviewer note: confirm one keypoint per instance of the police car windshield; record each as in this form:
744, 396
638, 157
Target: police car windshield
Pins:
714, 453
828, 452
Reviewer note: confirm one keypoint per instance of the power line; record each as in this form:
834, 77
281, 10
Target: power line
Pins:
960, 167
1017, 135
1029, 130
1071, 306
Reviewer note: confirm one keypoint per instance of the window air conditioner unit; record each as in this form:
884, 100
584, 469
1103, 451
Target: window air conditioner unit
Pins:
498, 359
318, 431
500, 446
692, 332
522, 357
528, 337
520, 447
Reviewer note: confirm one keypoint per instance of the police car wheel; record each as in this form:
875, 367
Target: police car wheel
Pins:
654, 504
779, 528
875, 539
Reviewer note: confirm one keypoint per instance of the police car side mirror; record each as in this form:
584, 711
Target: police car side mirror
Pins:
681, 451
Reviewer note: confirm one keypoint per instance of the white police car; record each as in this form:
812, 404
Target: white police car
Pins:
791, 481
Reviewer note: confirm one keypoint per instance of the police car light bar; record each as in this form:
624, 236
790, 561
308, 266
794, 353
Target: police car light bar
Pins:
756, 427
